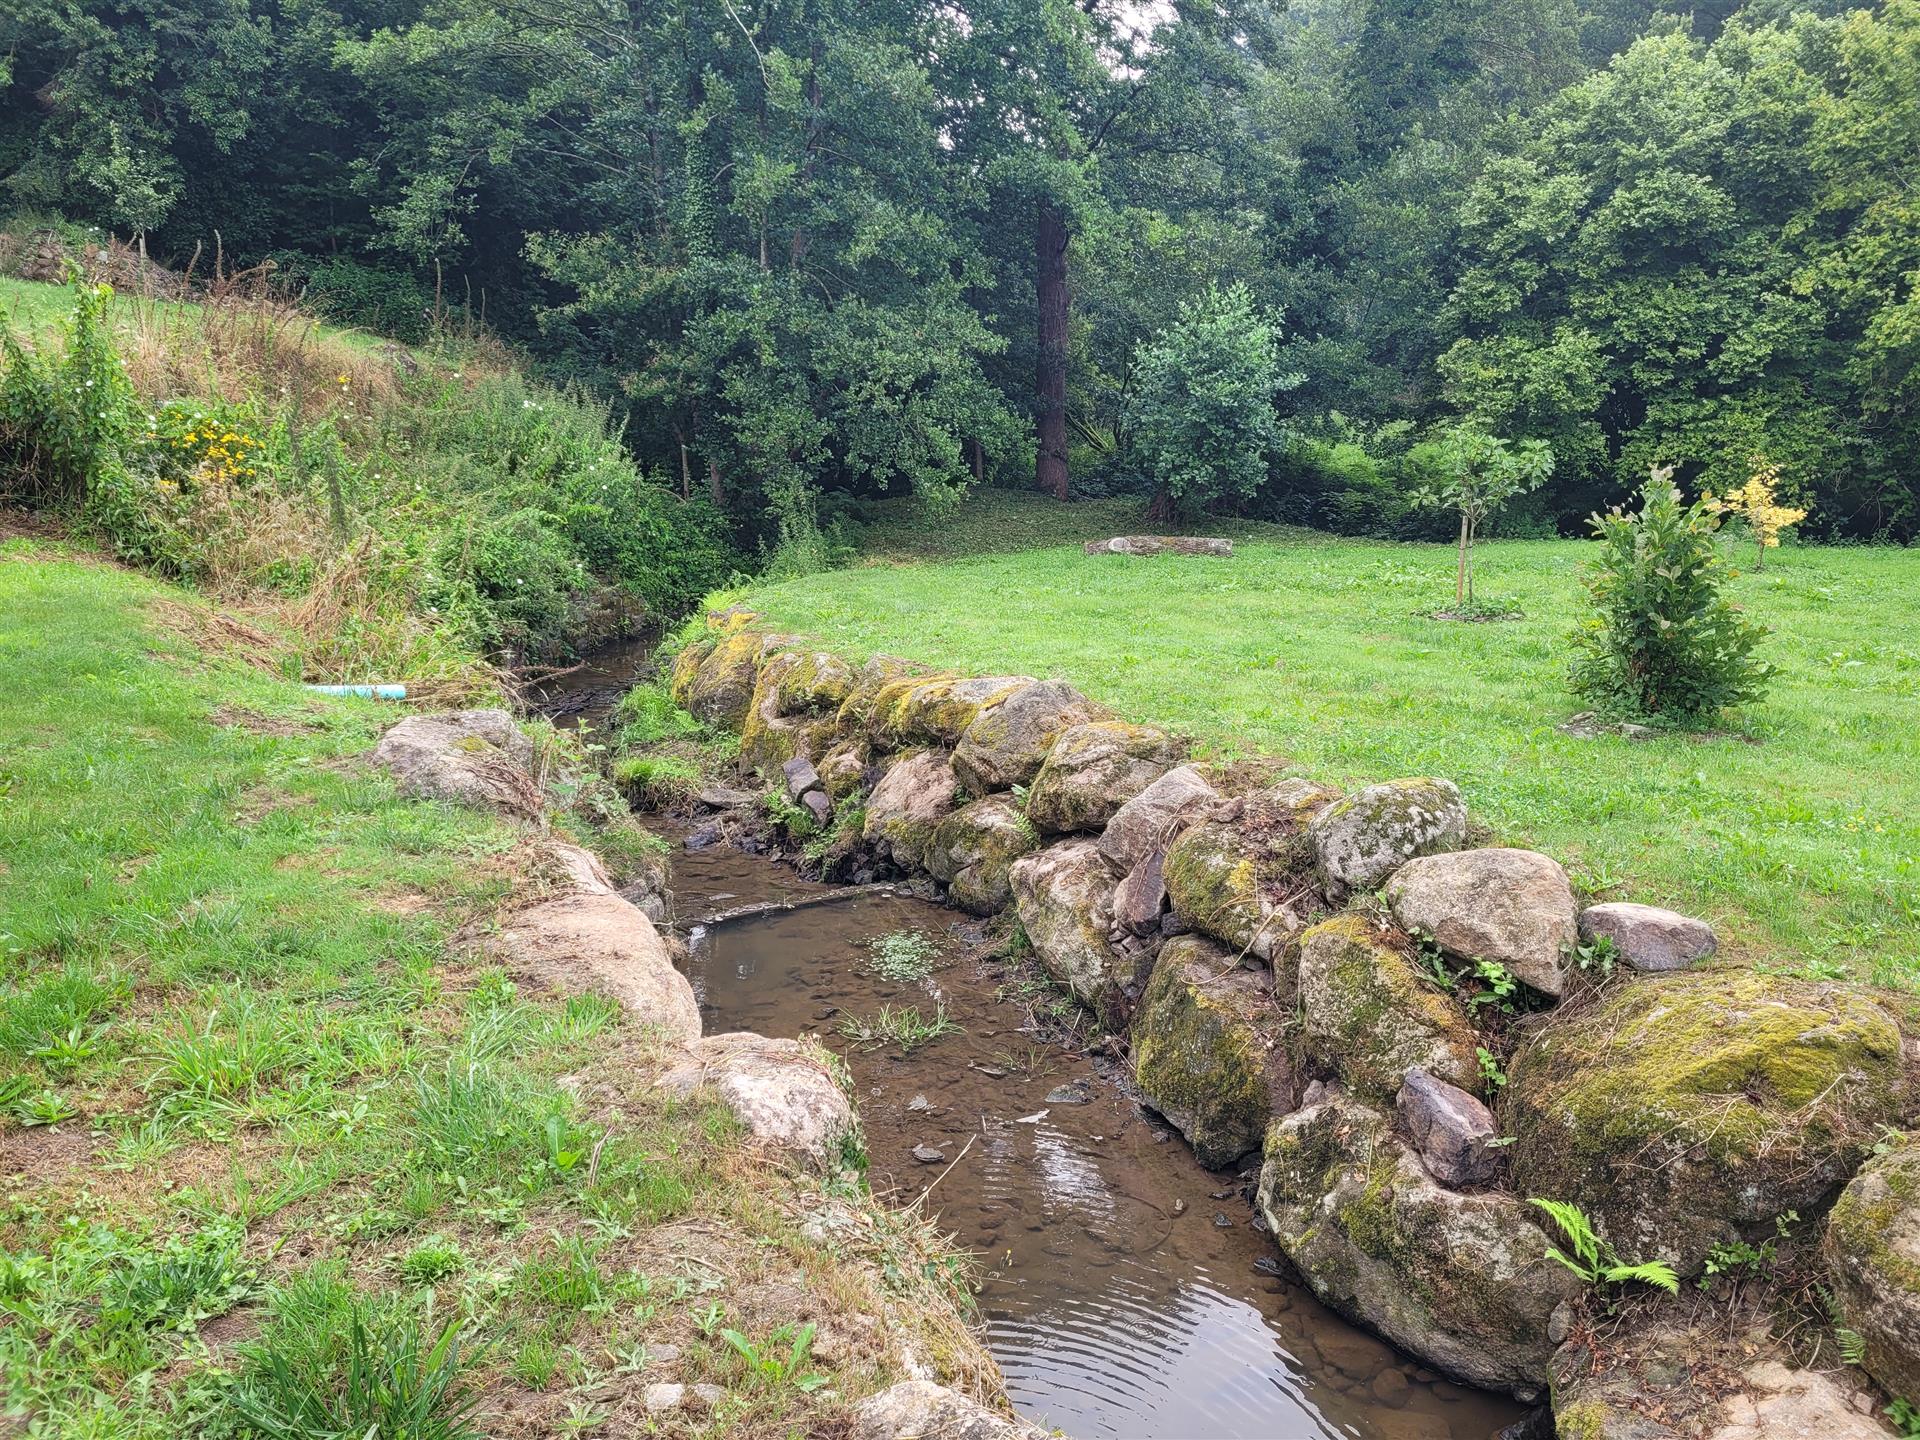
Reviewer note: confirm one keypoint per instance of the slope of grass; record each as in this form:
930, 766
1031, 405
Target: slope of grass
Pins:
265, 1124
1797, 831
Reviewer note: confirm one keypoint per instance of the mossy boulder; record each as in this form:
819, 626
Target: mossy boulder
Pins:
1209, 1050
934, 710
972, 852
843, 768
1362, 840
1873, 1251
1063, 896
1095, 768
774, 731
1007, 742
913, 796
1370, 1014
686, 668
875, 675
1461, 1281
1681, 1109
812, 682
721, 689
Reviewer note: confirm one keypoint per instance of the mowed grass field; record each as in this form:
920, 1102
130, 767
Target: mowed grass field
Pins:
1795, 827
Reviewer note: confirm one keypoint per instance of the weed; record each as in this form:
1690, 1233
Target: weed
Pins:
378, 1375
779, 1360
44, 1108
1490, 1070
905, 1028
432, 1261
904, 957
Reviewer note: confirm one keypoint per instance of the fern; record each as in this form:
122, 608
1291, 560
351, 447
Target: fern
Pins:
1593, 1260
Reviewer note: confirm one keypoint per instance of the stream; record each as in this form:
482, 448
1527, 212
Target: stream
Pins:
1126, 1291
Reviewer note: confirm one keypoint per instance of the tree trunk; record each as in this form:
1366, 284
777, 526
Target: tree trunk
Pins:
1160, 507
979, 462
714, 487
1050, 367
1460, 573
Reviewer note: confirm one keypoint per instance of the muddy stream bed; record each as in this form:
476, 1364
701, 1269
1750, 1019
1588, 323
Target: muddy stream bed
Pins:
1127, 1291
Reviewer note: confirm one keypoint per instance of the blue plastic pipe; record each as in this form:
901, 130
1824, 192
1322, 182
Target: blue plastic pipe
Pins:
364, 692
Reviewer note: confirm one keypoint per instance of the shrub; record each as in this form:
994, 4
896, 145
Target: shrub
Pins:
1667, 642
1204, 412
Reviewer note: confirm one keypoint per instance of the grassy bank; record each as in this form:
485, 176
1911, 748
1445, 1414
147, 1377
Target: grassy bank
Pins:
407, 511
272, 1130
1797, 831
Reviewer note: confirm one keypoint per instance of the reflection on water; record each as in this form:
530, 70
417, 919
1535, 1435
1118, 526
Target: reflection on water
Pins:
1127, 1291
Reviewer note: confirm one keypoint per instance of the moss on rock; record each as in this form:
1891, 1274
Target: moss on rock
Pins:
1007, 741
972, 853
1360, 841
1095, 768
1209, 1050
1369, 1013
1873, 1251
722, 688
936, 710
1462, 1281
1682, 1107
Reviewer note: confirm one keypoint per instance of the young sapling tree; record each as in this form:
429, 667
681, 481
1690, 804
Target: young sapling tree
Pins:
1476, 474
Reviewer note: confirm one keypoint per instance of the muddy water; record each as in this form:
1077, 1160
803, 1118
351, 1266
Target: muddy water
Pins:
589, 691
1128, 1292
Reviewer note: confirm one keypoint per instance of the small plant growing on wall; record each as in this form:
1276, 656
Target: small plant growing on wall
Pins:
1664, 641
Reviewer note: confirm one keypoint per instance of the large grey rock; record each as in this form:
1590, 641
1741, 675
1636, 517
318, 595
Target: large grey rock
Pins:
922, 1410
1362, 840
591, 939
972, 852
1873, 1253
1153, 819
1006, 743
1515, 907
1680, 1110
1372, 1014
1461, 1281
1209, 1050
1647, 937
1094, 769
781, 1090
469, 757
913, 796
1064, 895
1450, 1130
1212, 545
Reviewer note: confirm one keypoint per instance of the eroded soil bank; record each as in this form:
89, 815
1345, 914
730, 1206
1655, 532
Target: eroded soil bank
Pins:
1127, 1291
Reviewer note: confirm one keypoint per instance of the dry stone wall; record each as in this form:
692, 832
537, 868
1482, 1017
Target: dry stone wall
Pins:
1344, 983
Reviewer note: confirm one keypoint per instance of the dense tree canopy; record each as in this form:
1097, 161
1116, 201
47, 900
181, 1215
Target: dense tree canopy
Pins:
849, 247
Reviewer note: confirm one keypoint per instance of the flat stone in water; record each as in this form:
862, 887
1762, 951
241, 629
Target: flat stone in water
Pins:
927, 1155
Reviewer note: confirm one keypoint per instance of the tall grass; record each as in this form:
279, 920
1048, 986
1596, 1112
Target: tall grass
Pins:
404, 512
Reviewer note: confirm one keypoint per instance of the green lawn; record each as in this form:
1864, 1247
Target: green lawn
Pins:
255, 1101
1796, 831
35, 310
